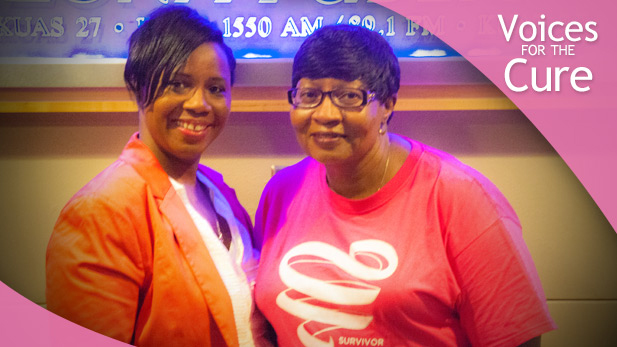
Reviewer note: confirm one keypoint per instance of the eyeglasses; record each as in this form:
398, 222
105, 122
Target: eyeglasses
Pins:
344, 97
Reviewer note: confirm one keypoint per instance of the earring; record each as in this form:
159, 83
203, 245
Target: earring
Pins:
382, 129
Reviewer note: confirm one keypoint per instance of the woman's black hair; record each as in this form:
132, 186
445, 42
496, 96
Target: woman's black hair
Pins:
349, 53
162, 44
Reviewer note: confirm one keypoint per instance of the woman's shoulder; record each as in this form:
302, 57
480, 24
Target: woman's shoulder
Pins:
111, 205
118, 184
454, 179
445, 166
449, 175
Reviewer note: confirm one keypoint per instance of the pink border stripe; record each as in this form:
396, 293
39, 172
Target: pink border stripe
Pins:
580, 126
23, 323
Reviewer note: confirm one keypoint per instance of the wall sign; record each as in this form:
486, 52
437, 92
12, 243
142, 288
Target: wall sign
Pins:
259, 29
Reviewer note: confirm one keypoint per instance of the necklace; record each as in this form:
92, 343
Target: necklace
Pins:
383, 178
222, 231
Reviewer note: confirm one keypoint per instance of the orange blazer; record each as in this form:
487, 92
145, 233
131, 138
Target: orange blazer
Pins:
126, 260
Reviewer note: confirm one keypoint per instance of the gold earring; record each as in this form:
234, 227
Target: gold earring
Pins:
382, 129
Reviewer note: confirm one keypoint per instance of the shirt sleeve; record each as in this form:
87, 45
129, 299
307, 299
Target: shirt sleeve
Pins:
502, 302
94, 268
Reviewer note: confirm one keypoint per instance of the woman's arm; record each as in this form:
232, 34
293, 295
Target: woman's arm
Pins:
94, 268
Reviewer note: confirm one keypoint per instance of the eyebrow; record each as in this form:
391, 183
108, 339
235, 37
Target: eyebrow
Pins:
217, 79
188, 76
338, 85
180, 75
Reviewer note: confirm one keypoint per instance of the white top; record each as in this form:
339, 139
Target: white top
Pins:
236, 266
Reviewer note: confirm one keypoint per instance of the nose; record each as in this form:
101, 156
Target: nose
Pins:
327, 113
197, 102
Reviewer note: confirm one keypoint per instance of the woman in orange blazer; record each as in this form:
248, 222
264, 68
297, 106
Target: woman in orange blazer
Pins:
156, 249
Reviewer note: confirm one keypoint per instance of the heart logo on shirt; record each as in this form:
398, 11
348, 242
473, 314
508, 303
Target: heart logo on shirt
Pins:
333, 304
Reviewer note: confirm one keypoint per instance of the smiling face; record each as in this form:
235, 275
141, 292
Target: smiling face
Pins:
333, 135
192, 110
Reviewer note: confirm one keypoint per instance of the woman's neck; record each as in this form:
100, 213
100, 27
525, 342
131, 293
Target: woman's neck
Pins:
358, 180
182, 172
371, 173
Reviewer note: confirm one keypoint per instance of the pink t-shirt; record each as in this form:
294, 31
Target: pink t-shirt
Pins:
435, 258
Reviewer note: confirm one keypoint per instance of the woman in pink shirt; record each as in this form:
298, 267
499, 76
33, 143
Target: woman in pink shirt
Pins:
376, 239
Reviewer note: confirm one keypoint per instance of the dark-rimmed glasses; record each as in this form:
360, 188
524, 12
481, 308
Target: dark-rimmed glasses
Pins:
343, 97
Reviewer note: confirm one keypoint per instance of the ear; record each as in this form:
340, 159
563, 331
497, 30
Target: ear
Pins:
389, 106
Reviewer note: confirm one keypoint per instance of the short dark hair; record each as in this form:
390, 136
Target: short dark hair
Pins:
349, 53
162, 44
